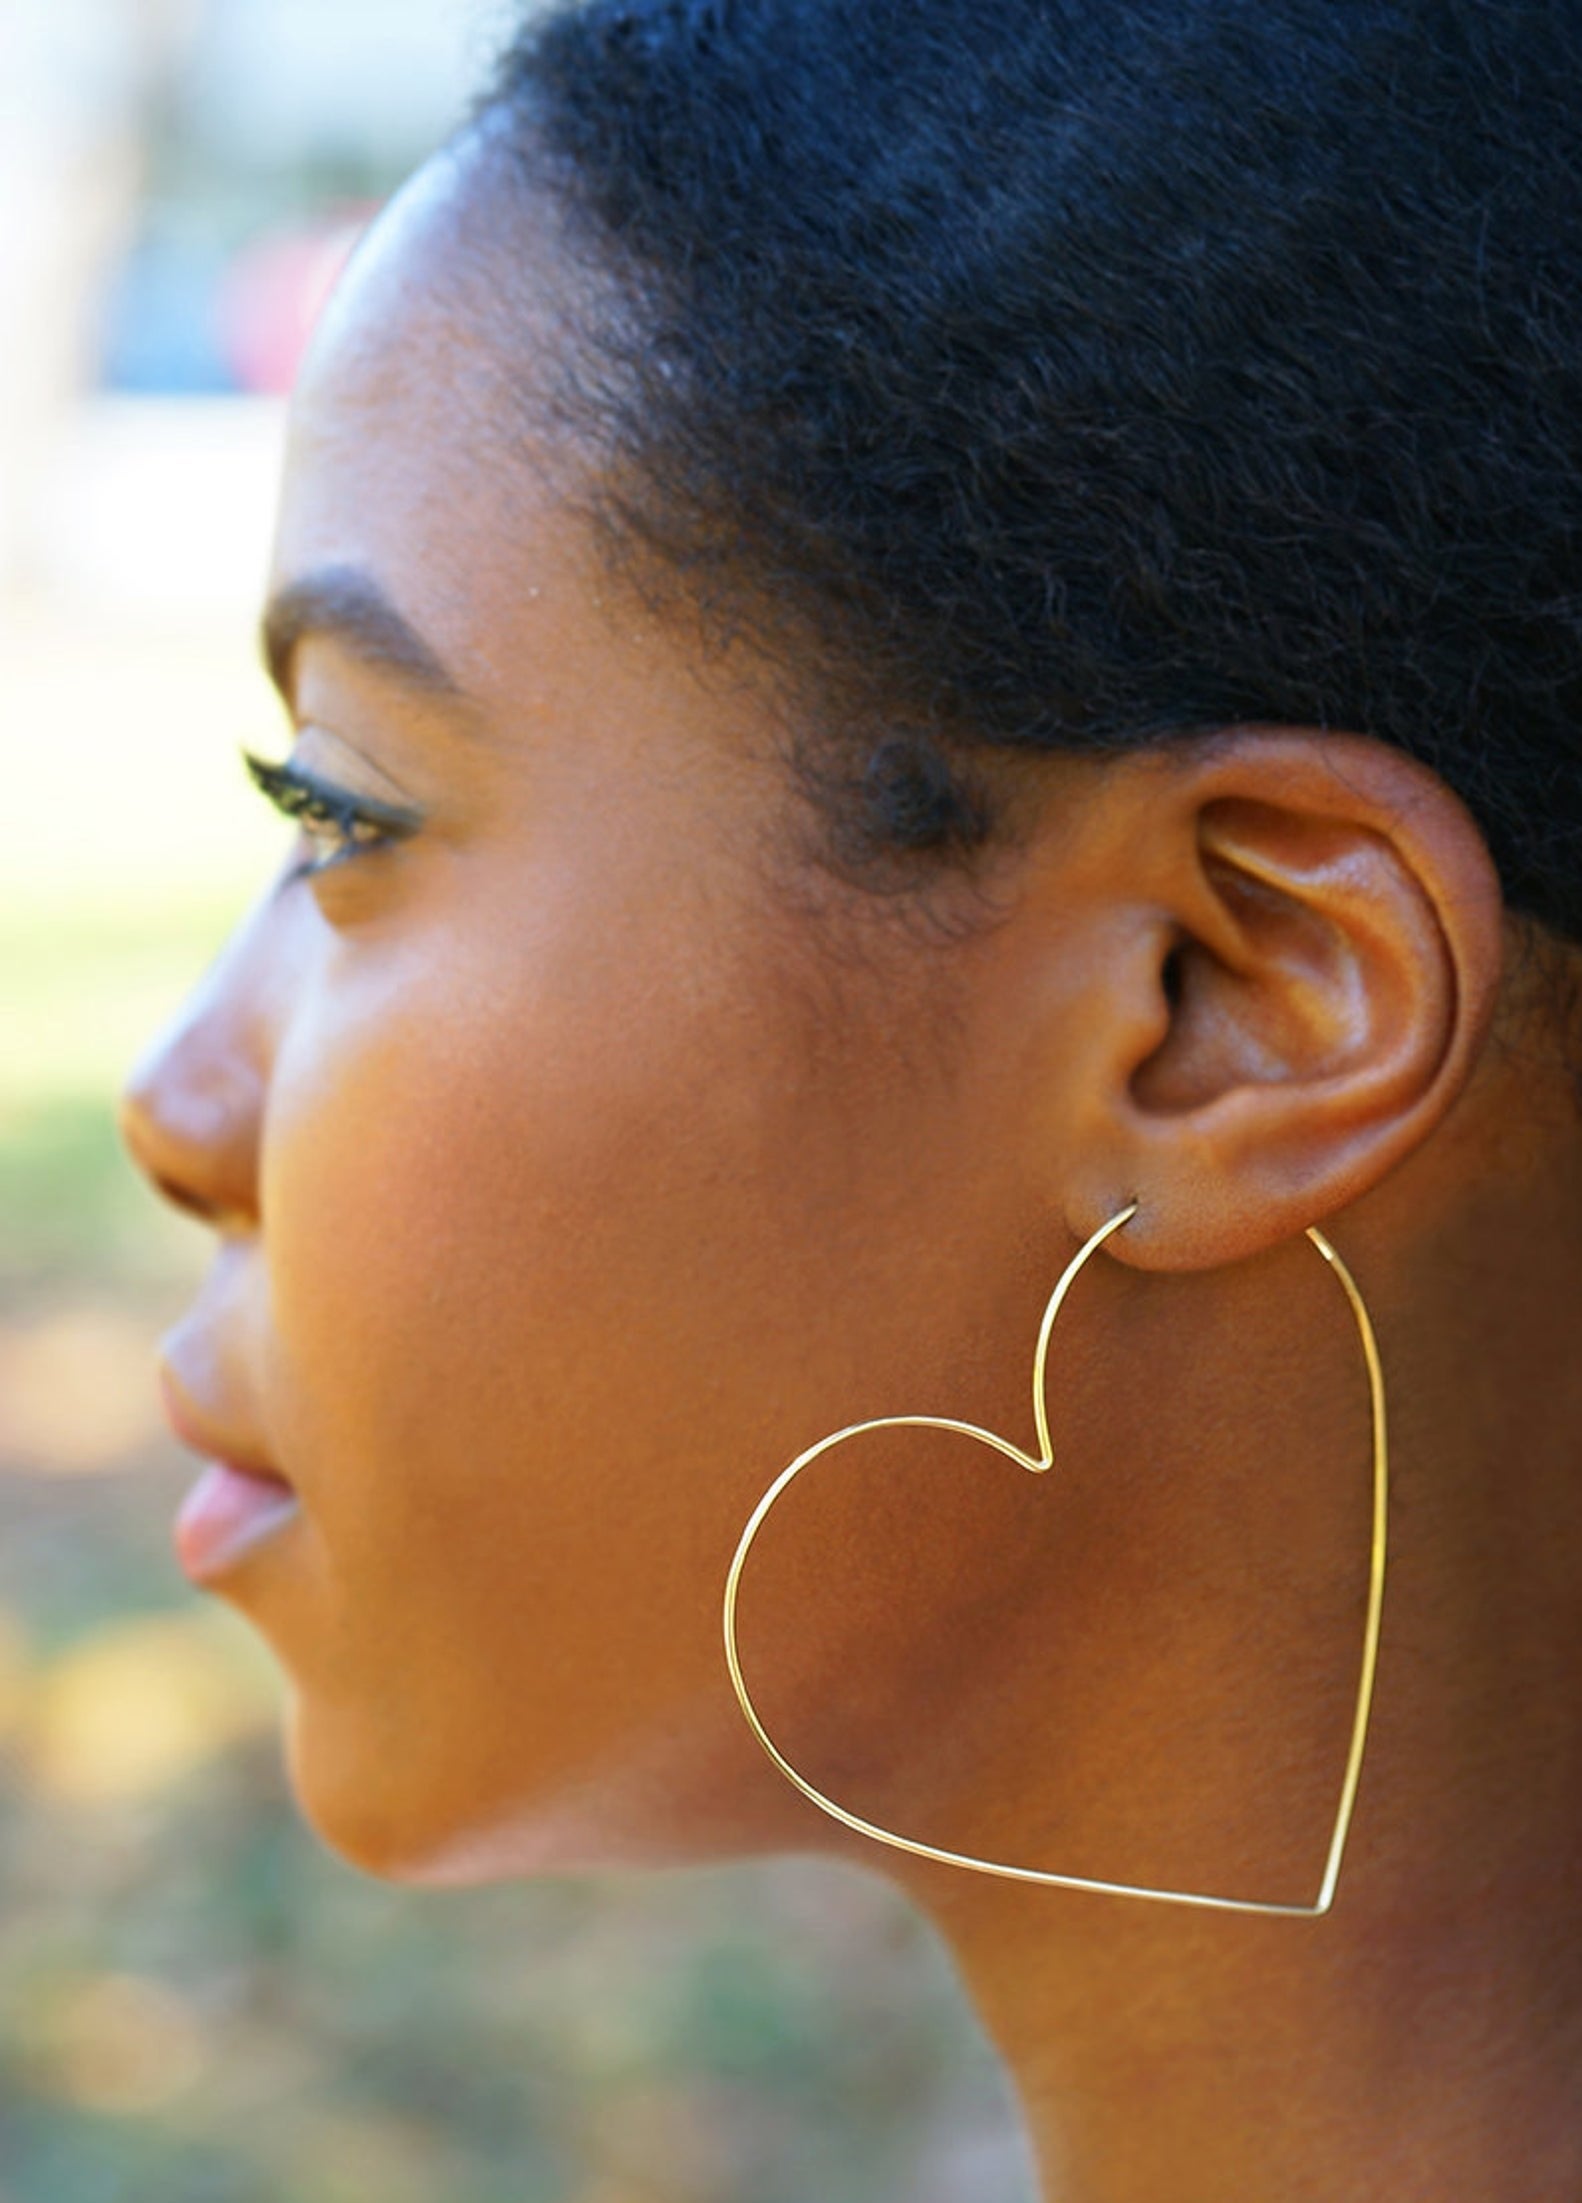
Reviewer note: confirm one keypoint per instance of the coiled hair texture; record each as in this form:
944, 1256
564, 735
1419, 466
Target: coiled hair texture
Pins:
1068, 375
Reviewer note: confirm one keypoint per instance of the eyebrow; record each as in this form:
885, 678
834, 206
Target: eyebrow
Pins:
346, 604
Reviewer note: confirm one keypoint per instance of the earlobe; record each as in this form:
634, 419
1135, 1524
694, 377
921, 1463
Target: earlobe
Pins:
1334, 963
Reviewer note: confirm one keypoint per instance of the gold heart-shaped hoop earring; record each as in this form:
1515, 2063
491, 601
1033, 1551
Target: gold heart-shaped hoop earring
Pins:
1039, 1464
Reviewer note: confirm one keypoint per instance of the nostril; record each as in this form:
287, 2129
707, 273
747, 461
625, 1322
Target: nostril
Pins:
135, 1128
191, 1132
181, 1197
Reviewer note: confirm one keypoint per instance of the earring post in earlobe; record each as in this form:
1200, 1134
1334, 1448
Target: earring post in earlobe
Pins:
1039, 1464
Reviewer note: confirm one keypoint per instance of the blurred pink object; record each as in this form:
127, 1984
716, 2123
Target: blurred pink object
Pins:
272, 294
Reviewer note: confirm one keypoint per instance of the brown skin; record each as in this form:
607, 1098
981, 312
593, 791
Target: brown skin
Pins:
580, 1160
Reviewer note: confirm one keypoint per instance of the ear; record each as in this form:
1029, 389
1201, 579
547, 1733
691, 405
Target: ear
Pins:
1298, 961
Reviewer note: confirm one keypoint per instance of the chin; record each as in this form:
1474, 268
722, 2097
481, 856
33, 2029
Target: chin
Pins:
371, 1807
374, 1810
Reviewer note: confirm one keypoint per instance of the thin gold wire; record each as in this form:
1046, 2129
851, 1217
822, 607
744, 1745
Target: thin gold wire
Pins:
1039, 1464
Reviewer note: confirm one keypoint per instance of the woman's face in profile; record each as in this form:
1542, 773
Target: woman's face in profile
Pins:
576, 1157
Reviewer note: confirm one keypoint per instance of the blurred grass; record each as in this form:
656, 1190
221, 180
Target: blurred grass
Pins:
198, 2003
84, 995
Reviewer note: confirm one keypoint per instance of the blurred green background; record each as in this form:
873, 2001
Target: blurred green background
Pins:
198, 2003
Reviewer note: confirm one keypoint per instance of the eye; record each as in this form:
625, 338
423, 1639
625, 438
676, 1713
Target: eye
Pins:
346, 824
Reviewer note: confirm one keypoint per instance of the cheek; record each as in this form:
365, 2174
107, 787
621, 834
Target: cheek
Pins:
529, 1235
576, 1227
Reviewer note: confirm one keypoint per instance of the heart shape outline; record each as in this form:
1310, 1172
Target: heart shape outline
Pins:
1039, 1465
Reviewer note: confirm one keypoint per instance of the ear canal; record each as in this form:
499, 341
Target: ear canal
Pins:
1170, 977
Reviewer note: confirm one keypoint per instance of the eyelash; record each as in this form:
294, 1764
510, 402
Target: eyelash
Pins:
318, 805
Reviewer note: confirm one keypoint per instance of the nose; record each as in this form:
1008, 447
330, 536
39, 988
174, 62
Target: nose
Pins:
190, 1108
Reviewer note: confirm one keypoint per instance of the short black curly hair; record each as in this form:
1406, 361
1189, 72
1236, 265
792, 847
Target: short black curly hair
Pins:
1083, 373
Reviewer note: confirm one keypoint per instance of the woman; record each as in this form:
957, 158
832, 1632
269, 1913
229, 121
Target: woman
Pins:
927, 640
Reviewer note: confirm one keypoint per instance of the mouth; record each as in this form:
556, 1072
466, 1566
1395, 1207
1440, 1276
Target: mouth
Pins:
239, 1499
208, 1436
226, 1513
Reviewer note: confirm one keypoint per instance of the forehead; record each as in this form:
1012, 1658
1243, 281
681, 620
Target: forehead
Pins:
423, 478
415, 450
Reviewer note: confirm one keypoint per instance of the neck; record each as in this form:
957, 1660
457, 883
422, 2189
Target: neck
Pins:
1424, 2038
1415, 2058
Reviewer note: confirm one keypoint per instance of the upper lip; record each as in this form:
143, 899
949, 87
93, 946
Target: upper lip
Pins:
196, 1430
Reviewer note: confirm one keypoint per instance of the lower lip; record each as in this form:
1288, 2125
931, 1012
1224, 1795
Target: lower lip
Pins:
226, 1513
